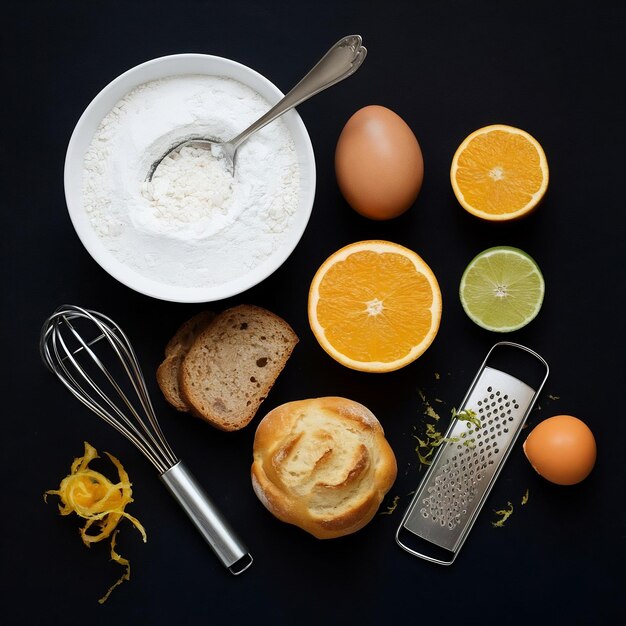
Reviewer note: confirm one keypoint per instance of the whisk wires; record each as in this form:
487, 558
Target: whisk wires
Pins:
130, 412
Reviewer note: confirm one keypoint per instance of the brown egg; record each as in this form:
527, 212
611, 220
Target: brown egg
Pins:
378, 163
562, 449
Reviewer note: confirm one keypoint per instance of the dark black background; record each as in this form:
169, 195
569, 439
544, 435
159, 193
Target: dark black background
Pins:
554, 69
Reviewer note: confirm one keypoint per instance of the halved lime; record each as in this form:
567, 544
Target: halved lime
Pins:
502, 289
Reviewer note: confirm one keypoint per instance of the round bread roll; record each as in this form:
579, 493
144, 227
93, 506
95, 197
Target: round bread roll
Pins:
322, 464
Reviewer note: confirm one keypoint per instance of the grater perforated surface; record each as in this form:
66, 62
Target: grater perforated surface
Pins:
451, 495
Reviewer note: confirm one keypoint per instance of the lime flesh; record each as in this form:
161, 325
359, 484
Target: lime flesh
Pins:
502, 289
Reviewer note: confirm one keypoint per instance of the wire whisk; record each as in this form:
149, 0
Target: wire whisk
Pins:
104, 374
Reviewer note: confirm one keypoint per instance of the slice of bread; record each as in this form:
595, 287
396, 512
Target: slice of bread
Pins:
175, 351
233, 364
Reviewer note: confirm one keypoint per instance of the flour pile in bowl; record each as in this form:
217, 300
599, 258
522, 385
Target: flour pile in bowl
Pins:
193, 225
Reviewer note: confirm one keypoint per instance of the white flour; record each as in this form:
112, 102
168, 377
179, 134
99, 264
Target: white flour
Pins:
194, 225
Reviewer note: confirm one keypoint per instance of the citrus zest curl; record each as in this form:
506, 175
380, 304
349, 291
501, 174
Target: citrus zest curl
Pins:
92, 496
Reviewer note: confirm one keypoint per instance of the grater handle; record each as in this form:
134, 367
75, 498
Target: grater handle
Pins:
421, 555
519, 346
207, 519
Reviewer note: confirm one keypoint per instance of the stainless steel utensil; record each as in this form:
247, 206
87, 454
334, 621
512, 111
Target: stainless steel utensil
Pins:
113, 387
341, 61
466, 466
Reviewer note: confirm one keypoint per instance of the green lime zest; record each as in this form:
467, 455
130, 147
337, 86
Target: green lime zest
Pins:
432, 438
392, 507
504, 515
467, 415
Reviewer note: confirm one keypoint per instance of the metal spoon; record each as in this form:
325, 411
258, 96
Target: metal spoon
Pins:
341, 61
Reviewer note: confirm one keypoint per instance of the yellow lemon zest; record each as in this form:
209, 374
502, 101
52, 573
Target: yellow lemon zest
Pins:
92, 496
122, 561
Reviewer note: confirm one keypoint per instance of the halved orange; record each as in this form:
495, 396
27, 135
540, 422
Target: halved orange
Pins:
499, 173
374, 306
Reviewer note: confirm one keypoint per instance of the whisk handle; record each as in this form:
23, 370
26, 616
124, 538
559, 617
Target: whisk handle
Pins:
206, 518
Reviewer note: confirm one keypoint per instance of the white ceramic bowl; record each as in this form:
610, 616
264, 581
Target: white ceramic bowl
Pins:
176, 65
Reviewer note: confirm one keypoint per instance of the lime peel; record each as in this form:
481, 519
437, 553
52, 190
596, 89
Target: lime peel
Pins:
502, 289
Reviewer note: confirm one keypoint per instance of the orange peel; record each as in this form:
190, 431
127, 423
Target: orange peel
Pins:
374, 306
499, 173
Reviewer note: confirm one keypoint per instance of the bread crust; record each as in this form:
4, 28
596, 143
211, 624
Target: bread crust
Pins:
175, 350
233, 364
323, 465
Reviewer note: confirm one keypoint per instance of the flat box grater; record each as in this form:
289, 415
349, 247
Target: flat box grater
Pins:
465, 468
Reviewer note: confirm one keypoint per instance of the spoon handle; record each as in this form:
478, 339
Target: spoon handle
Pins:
341, 61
